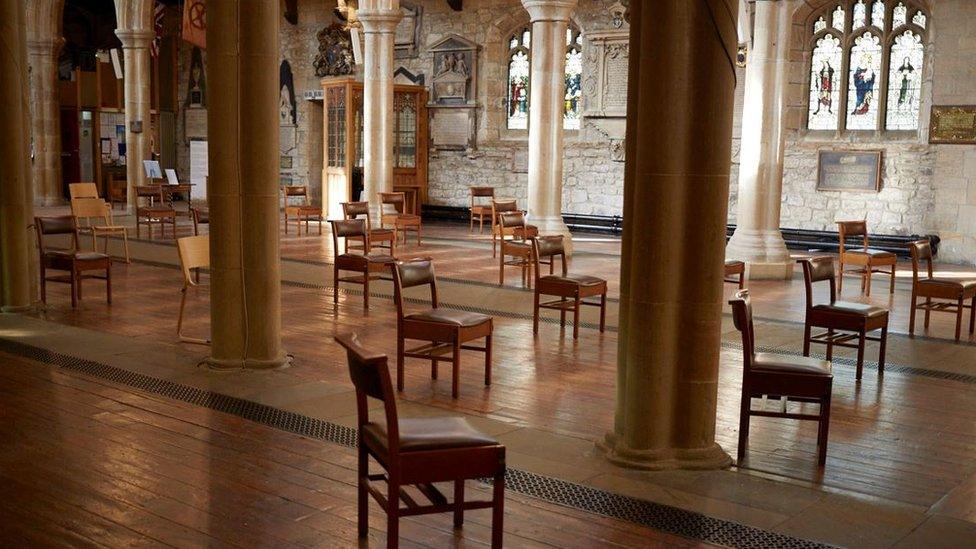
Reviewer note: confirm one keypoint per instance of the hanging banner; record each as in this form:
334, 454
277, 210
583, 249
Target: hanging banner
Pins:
195, 23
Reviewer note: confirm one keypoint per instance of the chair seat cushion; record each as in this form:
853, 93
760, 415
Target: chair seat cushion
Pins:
848, 307
877, 254
371, 257
435, 433
450, 316
381, 233
579, 280
950, 282
774, 362
80, 256
157, 210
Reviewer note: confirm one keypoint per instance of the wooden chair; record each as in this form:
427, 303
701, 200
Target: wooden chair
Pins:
866, 259
955, 291
117, 191
481, 210
156, 211
194, 255
74, 261
788, 377
516, 252
735, 273
844, 321
201, 216
378, 238
302, 211
445, 331
499, 207
82, 190
401, 222
572, 290
366, 265
86, 209
417, 452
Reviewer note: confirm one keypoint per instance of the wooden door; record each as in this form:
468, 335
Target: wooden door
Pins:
70, 149
336, 165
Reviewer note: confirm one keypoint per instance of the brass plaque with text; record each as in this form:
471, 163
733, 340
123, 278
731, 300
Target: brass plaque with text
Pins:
953, 125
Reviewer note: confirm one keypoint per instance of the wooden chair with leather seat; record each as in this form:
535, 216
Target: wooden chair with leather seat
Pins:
118, 191
844, 321
480, 210
82, 190
200, 216
516, 252
572, 290
863, 257
417, 452
499, 207
303, 210
86, 209
74, 261
378, 238
735, 273
444, 331
392, 213
153, 210
955, 292
367, 265
787, 377
194, 252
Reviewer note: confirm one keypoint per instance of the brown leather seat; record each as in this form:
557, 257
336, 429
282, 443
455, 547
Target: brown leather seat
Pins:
872, 253
435, 433
951, 282
774, 362
81, 256
579, 280
450, 316
848, 307
371, 257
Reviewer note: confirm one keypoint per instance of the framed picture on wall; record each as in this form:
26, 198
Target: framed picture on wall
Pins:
852, 171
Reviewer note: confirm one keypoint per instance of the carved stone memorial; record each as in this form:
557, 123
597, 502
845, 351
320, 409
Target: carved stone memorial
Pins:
605, 84
453, 105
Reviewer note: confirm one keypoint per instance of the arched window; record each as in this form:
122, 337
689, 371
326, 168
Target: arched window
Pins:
866, 73
519, 61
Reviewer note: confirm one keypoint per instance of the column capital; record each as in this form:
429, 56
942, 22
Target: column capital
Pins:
45, 46
379, 20
549, 10
135, 38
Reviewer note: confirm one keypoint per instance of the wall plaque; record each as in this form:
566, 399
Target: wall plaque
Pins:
195, 123
858, 171
451, 129
953, 125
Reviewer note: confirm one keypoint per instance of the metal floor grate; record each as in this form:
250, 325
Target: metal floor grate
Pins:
664, 518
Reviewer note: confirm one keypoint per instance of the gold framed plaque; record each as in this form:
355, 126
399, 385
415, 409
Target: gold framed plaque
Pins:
852, 171
953, 125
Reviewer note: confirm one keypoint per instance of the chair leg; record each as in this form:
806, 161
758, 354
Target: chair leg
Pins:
603, 312
459, 501
743, 426
400, 350
488, 359
972, 316
433, 369
928, 311
498, 511
860, 355
823, 429
867, 279
840, 278
806, 340
335, 287
179, 319
891, 287
43, 285
883, 349
74, 288
501, 269
576, 311
535, 313
830, 345
456, 367
362, 494
108, 282
911, 314
959, 311
125, 246
562, 313
393, 516
365, 289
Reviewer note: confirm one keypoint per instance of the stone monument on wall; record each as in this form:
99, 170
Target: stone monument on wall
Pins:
605, 87
453, 102
287, 124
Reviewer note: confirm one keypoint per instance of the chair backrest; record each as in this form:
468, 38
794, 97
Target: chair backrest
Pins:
62, 224
152, 192
291, 192
397, 200
548, 247
742, 318
194, 254
410, 273
509, 220
852, 228
82, 190
481, 192
346, 228
352, 210
370, 376
500, 206
921, 251
87, 208
117, 188
818, 269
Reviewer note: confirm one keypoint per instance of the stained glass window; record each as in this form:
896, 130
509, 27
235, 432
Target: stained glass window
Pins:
864, 80
518, 80
919, 19
905, 81
860, 15
878, 14
837, 19
899, 16
824, 91
819, 25
574, 79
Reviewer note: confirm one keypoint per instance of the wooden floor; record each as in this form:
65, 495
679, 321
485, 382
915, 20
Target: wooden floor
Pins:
83, 463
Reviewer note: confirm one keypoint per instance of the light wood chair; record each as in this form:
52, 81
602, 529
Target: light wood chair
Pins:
865, 260
82, 190
153, 210
499, 207
843, 321
789, 377
301, 211
378, 238
87, 209
516, 252
572, 290
954, 292
396, 217
481, 210
367, 265
74, 261
444, 331
417, 452
194, 254
735, 273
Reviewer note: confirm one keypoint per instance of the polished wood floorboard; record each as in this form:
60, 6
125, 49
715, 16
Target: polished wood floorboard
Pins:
86, 463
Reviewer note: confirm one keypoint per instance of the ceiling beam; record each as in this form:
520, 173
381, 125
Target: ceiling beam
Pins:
291, 11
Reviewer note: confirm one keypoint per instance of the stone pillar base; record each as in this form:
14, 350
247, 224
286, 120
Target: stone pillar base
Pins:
769, 271
764, 253
550, 226
222, 364
618, 453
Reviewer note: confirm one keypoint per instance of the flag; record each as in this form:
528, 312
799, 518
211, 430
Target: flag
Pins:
158, 16
195, 22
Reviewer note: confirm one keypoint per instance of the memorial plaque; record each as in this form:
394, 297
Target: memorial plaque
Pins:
195, 123
287, 139
451, 128
615, 78
858, 171
953, 125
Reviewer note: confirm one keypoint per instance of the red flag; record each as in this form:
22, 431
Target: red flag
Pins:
195, 22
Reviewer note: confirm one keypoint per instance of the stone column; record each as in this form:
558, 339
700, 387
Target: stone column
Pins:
245, 311
547, 93
379, 19
15, 186
135, 50
757, 239
45, 119
679, 134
